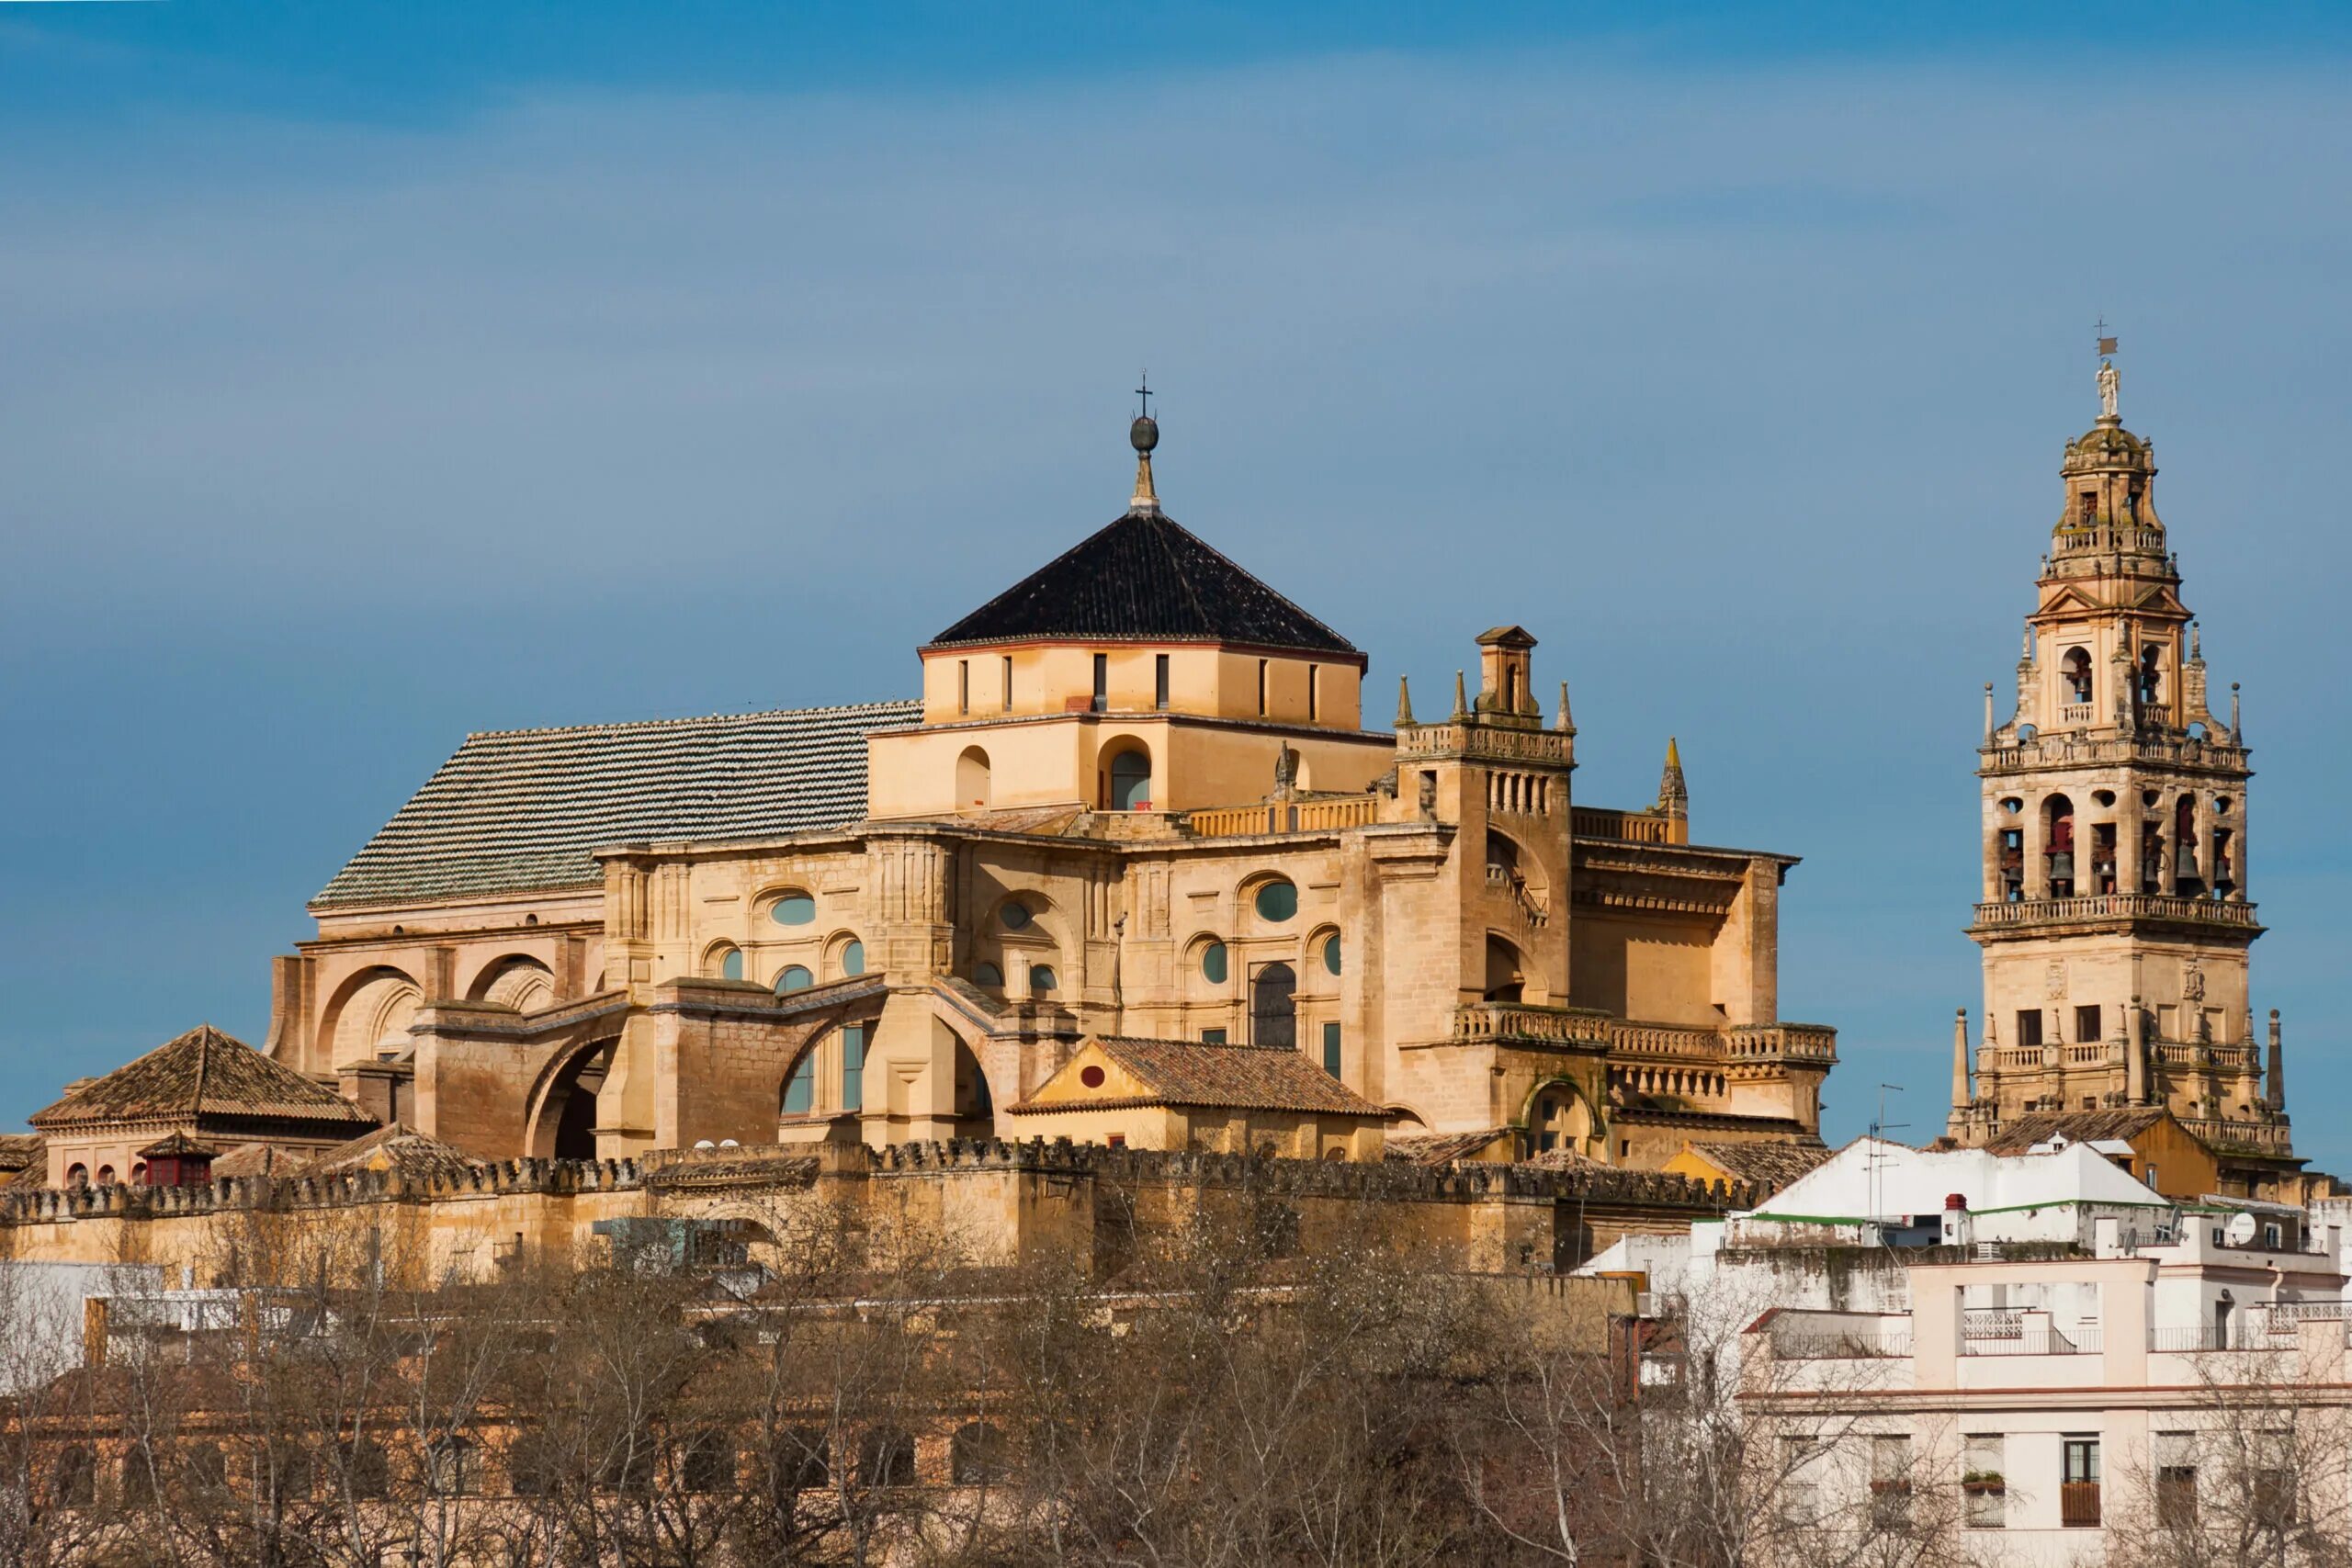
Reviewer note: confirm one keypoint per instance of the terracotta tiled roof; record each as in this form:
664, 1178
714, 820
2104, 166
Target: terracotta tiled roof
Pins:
18, 1151
521, 809
203, 1073
1145, 578
1238, 1077
253, 1159
178, 1143
2078, 1126
1769, 1164
1438, 1148
394, 1148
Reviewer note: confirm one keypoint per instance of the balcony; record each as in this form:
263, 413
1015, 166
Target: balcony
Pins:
1784, 1042
2097, 907
1324, 815
1579, 1027
2078, 1504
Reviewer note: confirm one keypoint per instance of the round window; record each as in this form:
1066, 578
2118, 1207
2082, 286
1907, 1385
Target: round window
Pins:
1091, 1076
1331, 953
793, 909
1041, 978
1016, 917
1277, 902
853, 957
1213, 968
987, 974
794, 978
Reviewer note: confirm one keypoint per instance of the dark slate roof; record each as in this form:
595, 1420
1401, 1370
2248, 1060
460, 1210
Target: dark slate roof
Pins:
1145, 578
204, 1074
518, 811
2124, 1122
1237, 1077
1770, 1165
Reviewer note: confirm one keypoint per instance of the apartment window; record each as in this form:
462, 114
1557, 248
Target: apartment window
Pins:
2078, 1486
2152, 1185
2029, 1027
1159, 682
2176, 1480
1008, 683
1984, 1486
2086, 1024
1101, 682
963, 685
1800, 1490
1890, 1481
1314, 693
1262, 687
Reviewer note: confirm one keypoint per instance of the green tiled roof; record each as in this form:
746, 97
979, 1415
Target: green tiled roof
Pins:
520, 810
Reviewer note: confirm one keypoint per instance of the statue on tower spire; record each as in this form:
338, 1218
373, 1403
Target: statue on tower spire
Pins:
2108, 379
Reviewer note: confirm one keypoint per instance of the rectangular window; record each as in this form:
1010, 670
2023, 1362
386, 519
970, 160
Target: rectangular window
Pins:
2029, 1027
2176, 1480
2078, 1487
1211, 1036
2086, 1024
1008, 683
1314, 697
1984, 1487
1261, 688
1799, 1487
1331, 1049
964, 685
854, 1066
1159, 682
1889, 1482
1101, 682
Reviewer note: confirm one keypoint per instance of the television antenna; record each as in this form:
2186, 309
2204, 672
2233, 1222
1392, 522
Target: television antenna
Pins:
1880, 1127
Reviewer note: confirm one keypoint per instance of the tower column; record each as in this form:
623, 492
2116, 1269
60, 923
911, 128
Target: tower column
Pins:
2202, 855
2136, 1053
2037, 865
2129, 817
2237, 854
1960, 1095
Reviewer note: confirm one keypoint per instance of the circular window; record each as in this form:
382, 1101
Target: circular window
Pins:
732, 967
987, 974
794, 978
1277, 902
1213, 968
1331, 953
853, 957
1016, 917
2221, 805
793, 909
1041, 978
1091, 1076
2013, 805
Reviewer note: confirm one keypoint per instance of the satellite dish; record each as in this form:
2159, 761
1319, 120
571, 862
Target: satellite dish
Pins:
2241, 1230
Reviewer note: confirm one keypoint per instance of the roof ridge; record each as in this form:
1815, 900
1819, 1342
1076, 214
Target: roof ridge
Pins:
913, 703
1286, 600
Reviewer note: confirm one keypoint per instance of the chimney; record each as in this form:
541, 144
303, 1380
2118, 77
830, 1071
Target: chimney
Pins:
1959, 1226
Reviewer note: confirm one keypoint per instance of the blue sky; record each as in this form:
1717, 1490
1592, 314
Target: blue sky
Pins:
370, 374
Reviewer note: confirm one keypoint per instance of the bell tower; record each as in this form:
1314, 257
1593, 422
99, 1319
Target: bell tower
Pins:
2115, 918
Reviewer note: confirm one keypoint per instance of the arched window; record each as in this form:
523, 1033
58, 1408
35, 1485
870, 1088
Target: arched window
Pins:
852, 957
973, 789
1041, 978
794, 978
1213, 967
976, 1455
987, 974
1131, 781
106, 1176
78, 1175
1276, 901
886, 1458
1016, 916
524, 984
800, 1088
731, 963
793, 909
2076, 669
2152, 679
1506, 972
1273, 1010
2058, 844
1331, 953
1557, 1120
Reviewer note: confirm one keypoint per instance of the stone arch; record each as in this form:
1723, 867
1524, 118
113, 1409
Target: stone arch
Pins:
974, 780
369, 1019
517, 981
1125, 775
1273, 1006
1315, 976
1558, 1114
973, 1048
561, 1116
1506, 978
723, 961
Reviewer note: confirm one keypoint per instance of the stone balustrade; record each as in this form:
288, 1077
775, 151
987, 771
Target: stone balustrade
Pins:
2114, 907
1324, 815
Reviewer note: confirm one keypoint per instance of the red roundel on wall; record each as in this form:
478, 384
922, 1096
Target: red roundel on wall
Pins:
1091, 1076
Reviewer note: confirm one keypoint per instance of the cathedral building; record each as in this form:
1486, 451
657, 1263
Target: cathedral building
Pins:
2116, 917
1131, 869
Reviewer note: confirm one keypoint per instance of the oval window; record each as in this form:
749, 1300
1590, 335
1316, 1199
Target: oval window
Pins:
1331, 953
1277, 902
1091, 1076
987, 974
853, 957
732, 967
794, 978
1016, 917
793, 909
1041, 978
1213, 968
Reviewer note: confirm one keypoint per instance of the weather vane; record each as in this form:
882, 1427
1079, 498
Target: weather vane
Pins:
2106, 344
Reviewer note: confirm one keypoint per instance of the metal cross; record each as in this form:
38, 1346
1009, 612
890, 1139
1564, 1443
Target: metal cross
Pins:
1144, 392
2106, 344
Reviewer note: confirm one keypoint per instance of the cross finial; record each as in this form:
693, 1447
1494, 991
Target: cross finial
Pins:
1144, 392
